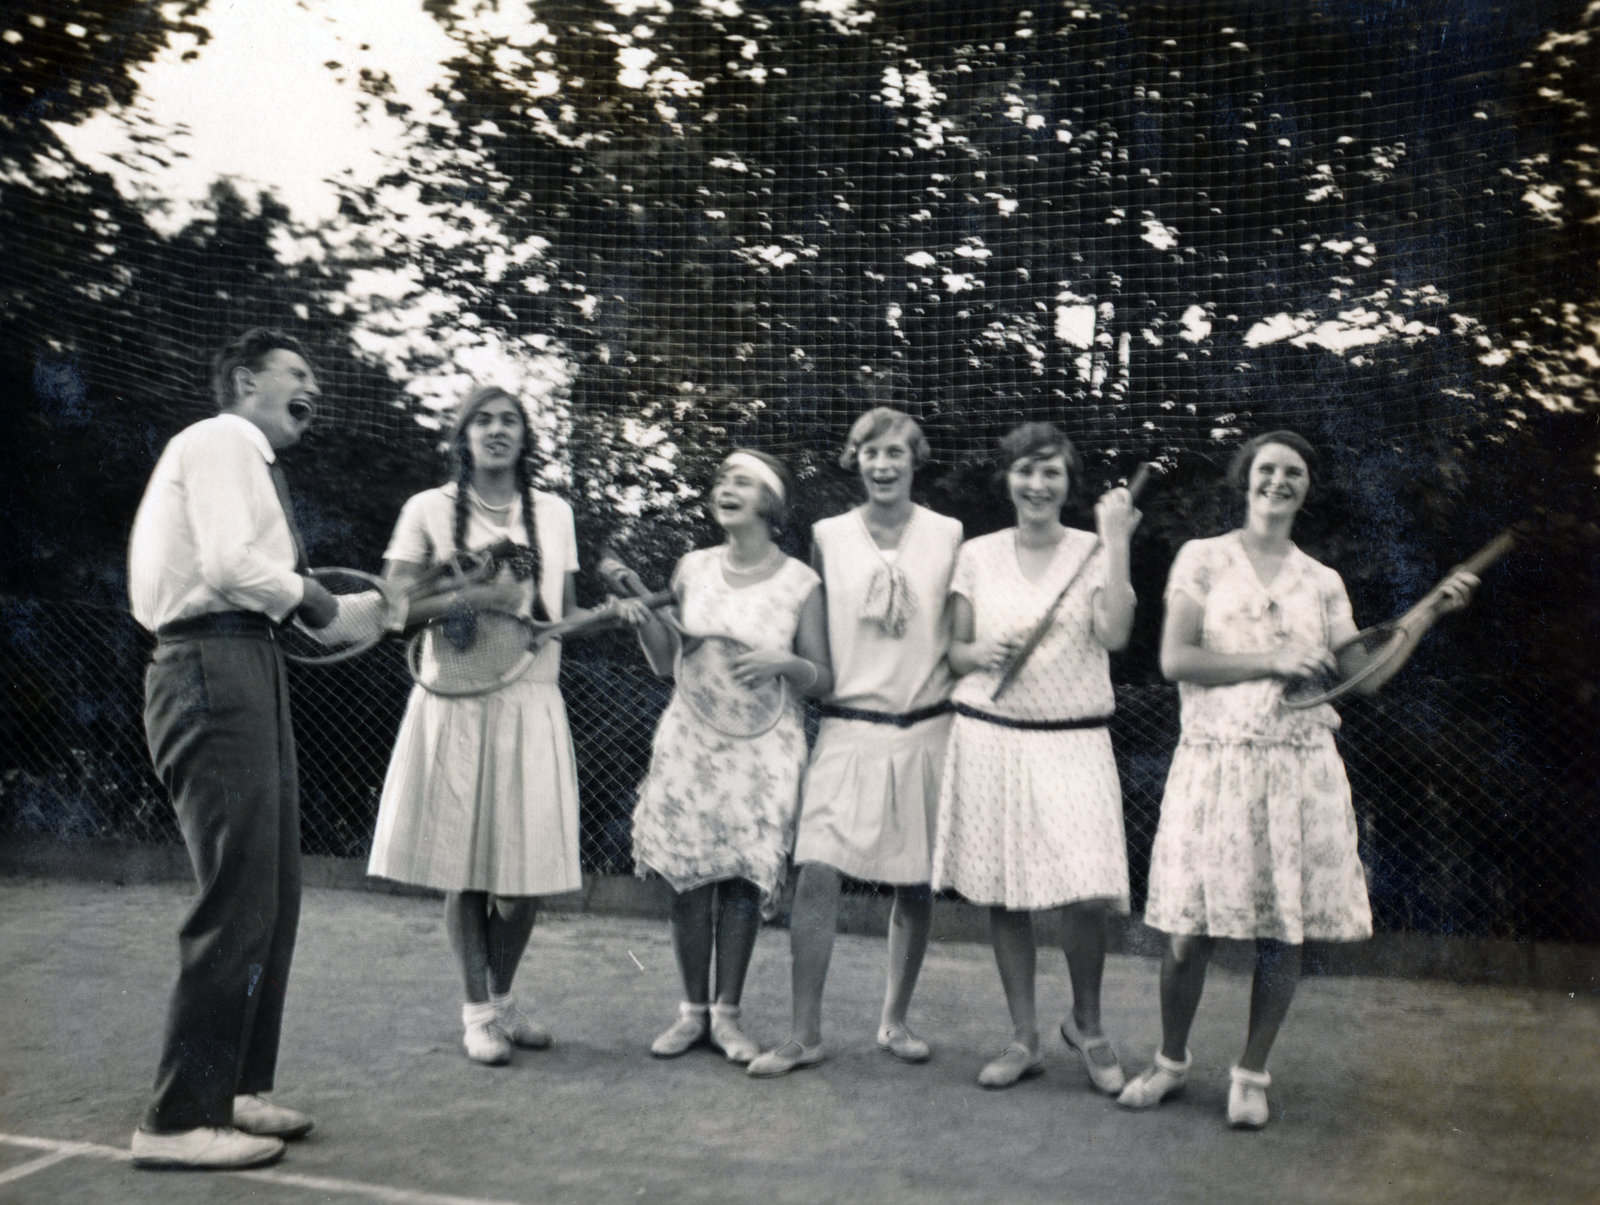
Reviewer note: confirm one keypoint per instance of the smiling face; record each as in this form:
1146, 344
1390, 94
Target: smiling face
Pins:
1038, 487
1278, 483
740, 498
887, 465
280, 397
495, 434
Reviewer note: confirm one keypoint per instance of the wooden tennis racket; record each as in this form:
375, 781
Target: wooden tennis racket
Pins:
1372, 650
703, 667
371, 608
1141, 478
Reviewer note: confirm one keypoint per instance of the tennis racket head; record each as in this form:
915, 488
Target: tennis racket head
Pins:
1359, 658
471, 652
707, 684
368, 609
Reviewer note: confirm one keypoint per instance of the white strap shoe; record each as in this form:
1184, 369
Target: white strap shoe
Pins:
484, 1042
1247, 1099
727, 1037
1156, 1082
686, 1032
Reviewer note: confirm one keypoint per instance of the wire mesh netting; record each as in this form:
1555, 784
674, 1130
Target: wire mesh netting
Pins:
1465, 794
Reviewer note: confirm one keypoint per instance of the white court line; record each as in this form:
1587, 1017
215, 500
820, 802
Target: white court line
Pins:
34, 1165
59, 1151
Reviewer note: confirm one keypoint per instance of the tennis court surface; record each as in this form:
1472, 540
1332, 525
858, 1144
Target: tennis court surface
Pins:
1384, 1089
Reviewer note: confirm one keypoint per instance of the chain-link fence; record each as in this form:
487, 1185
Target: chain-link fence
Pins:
1476, 808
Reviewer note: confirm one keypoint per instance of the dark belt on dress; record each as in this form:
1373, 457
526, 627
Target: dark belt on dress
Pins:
1088, 721
250, 625
832, 711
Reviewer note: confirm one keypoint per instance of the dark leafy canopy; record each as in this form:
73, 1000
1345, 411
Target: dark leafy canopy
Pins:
1163, 227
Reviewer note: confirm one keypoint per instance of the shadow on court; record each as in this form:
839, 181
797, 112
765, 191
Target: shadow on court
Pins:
1384, 1090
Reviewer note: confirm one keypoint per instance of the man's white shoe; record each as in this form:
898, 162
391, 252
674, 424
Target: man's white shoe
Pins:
214, 1148
256, 1114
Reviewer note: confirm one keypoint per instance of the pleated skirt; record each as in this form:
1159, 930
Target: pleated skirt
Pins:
482, 794
870, 798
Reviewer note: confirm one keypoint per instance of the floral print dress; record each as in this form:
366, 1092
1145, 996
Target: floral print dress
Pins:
716, 807
1257, 835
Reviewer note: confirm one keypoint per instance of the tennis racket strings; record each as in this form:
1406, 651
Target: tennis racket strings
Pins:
366, 611
471, 652
703, 668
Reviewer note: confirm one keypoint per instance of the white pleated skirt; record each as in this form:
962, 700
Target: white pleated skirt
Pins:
870, 798
482, 794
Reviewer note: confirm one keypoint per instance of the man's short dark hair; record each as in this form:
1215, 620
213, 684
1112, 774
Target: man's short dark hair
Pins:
249, 350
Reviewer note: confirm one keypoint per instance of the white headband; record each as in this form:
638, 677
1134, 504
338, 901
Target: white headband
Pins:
763, 473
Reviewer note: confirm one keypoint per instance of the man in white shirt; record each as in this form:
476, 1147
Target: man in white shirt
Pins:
214, 566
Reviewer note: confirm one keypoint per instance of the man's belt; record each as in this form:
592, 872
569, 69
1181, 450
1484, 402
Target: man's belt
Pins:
251, 625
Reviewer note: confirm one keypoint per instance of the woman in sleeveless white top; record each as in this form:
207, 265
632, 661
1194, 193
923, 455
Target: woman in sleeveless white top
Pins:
716, 813
872, 786
1030, 809
481, 796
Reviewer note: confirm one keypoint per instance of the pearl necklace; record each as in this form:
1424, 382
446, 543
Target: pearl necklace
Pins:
761, 566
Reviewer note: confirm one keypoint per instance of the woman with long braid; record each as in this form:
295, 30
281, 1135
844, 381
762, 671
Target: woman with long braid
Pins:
481, 797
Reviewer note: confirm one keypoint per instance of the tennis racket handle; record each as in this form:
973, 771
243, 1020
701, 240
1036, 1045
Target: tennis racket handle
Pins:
1488, 554
1140, 479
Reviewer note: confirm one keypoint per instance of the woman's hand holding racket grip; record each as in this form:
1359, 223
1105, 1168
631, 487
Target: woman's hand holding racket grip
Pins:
1302, 661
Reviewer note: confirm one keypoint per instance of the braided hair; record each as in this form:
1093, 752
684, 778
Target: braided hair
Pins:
526, 562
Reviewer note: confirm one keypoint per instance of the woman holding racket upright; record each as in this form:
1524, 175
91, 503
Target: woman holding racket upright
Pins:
873, 781
1257, 838
716, 810
481, 797
1030, 810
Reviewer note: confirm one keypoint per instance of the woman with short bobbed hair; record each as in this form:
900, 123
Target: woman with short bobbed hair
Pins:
1030, 809
716, 813
1257, 838
873, 780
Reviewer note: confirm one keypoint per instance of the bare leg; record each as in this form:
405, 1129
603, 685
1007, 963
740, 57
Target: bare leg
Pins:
466, 923
812, 926
691, 940
1011, 934
1183, 978
738, 925
1083, 941
510, 924
909, 925
1271, 992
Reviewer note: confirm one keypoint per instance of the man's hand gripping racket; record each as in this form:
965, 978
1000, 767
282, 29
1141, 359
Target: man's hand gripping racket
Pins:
724, 681
1372, 656
370, 608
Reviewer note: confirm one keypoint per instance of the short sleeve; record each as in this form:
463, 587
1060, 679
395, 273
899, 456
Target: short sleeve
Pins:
964, 581
1336, 602
1191, 573
563, 553
410, 542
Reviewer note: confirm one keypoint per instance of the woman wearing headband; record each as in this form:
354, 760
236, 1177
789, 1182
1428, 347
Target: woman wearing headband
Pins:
1030, 810
716, 813
873, 782
481, 797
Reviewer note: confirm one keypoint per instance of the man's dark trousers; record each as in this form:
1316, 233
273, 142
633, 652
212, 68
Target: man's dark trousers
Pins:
217, 719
